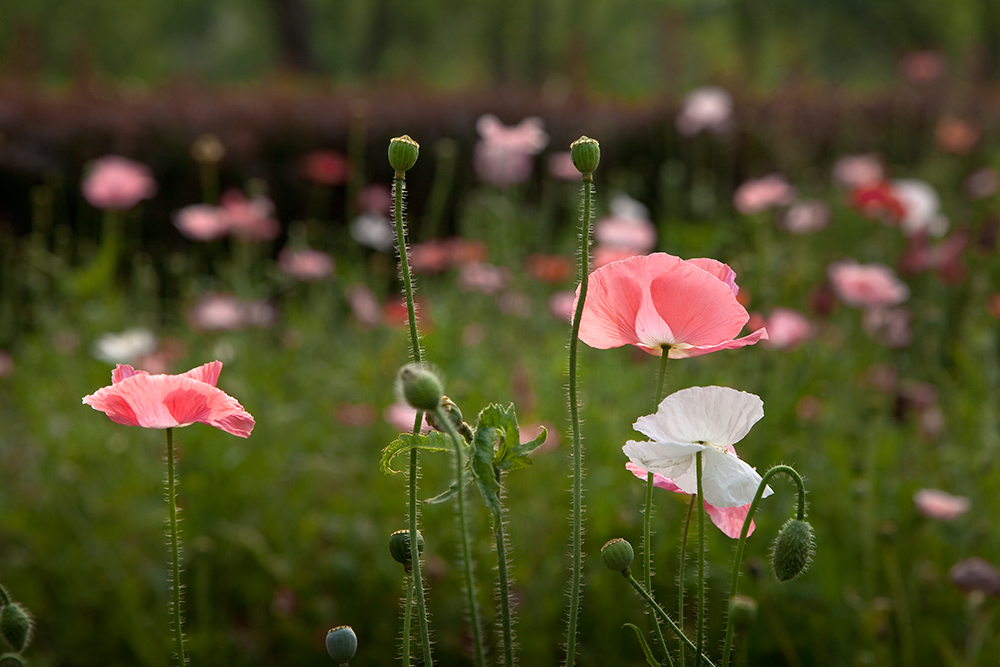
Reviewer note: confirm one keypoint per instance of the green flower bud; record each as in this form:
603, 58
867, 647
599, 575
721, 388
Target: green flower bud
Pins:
420, 387
16, 626
586, 154
793, 550
399, 547
403, 153
341, 644
454, 415
11, 660
617, 555
743, 609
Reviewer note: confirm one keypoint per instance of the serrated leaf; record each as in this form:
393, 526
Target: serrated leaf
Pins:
450, 492
511, 453
483, 452
517, 457
430, 442
645, 647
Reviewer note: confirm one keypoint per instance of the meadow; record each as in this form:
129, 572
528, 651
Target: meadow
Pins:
872, 398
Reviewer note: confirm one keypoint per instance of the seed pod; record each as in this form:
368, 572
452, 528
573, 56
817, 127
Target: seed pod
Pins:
16, 626
341, 644
420, 387
793, 550
617, 555
403, 153
586, 154
399, 547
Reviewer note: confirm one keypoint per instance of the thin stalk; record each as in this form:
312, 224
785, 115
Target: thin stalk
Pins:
406, 621
738, 560
680, 571
175, 549
505, 615
399, 191
574, 409
470, 583
701, 561
647, 518
659, 610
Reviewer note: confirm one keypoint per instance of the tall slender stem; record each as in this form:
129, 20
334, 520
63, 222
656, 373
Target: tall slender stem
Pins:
574, 409
680, 570
406, 621
701, 561
647, 518
738, 560
505, 615
399, 192
470, 582
659, 610
175, 549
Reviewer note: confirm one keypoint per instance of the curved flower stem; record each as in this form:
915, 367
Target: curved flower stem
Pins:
574, 409
701, 561
647, 518
175, 549
680, 571
505, 614
738, 560
399, 192
659, 610
470, 583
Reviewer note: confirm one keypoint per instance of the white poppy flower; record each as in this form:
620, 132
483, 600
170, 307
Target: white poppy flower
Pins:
701, 419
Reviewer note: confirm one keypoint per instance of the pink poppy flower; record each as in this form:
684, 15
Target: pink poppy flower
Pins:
117, 183
661, 301
485, 278
526, 137
709, 108
981, 183
136, 398
504, 155
201, 222
251, 219
975, 574
562, 305
889, 326
787, 329
305, 264
921, 67
363, 304
879, 200
628, 227
857, 171
728, 519
326, 167
375, 198
937, 504
761, 194
806, 216
866, 285
561, 167
552, 269
401, 417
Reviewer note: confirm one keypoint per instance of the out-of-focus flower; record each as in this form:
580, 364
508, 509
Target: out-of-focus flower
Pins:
325, 167
402, 416
251, 218
117, 183
6, 364
866, 285
727, 519
922, 207
364, 305
809, 409
889, 326
375, 198
709, 420
482, 277
504, 155
804, 217
944, 258
922, 67
305, 263
527, 137
562, 305
373, 231
561, 167
786, 328
216, 311
604, 255
439, 255
858, 171
136, 398
761, 194
396, 314
981, 183
207, 149
201, 222
937, 504
879, 200
125, 347
664, 304
956, 135
552, 269
975, 575
357, 414
627, 228
708, 109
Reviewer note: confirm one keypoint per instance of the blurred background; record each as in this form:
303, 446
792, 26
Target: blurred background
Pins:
189, 181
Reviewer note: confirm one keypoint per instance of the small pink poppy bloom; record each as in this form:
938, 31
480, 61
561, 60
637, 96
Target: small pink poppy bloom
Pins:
364, 305
401, 416
375, 198
981, 183
975, 574
661, 301
305, 264
889, 326
922, 67
252, 218
857, 171
709, 108
866, 285
504, 155
325, 167
937, 504
485, 278
201, 222
561, 167
761, 194
804, 217
526, 137
562, 305
628, 227
117, 183
136, 398
727, 519
922, 206
787, 329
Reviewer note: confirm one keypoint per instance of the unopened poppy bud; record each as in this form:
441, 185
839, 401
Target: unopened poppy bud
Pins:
420, 387
793, 550
617, 555
341, 644
454, 415
11, 660
403, 153
399, 547
16, 626
743, 609
586, 154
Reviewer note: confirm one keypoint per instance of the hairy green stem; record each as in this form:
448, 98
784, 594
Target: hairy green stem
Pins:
406, 620
470, 582
659, 610
175, 549
505, 614
738, 560
399, 190
680, 570
647, 548
574, 409
701, 560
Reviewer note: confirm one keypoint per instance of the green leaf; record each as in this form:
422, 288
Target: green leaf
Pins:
645, 647
517, 457
430, 442
483, 451
511, 453
450, 492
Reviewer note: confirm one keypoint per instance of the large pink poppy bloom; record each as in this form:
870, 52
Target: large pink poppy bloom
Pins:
116, 183
727, 519
136, 398
660, 301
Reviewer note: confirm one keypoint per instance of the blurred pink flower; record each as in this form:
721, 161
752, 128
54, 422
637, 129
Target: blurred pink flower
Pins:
879, 200
944, 258
251, 219
503, 156
804, 217
117, 183
136, 398
561, 167
866, 285
604, 255
201, 222
628, 227
889, 326
6, 363
922, 67
357, 414
706, 109
787, 329
857, 171
325, 167
975, 575
305, 263
562, 305
364, 305
552, 269
527, 137
402, 417
375, 198
374, 230
727, 519
921, 205
957, 135
216, 311
937, 504
761, 194
482, 277
661, 301
981, 183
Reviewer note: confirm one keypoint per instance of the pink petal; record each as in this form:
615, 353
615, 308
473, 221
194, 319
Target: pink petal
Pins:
698, 350
719, 270
699, 308
208, 373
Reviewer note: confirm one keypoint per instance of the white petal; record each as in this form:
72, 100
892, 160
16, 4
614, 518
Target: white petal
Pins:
669, 459
727, 480
719, 415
